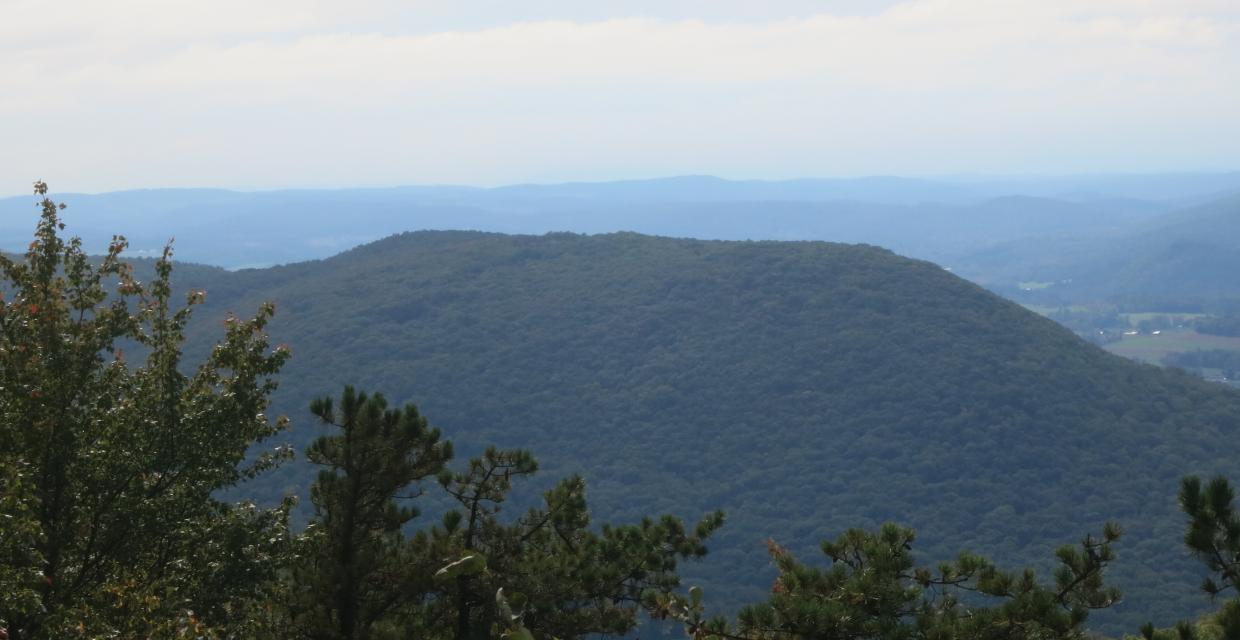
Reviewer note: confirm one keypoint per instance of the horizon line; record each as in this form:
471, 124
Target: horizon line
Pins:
960, 177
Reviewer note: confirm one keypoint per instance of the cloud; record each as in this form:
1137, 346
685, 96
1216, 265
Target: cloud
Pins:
281, 92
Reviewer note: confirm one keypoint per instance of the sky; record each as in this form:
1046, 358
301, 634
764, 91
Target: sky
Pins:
99, 96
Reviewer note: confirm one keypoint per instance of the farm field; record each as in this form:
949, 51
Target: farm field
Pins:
1047, 310
1153, 348
1135, 319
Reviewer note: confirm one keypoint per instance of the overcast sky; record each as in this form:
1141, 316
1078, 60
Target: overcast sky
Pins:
100, 96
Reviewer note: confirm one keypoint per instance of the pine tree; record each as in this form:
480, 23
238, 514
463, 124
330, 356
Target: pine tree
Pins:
872, 589
563, 578
548, 572
1213, 536
360, 576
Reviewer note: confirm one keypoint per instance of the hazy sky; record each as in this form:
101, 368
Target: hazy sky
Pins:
235, 93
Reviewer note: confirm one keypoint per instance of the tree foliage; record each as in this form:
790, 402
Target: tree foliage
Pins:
871, 589
359, 573
571, 578
113, 464
361, 576
1212, 535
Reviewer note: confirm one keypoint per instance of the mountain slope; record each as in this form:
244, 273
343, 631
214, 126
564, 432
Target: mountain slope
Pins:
1189, 253
1181, 258
803, 387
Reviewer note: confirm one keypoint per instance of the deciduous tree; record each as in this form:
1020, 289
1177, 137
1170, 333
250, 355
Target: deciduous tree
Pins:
113, 465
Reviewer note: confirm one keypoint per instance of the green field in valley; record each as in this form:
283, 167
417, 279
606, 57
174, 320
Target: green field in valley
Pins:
1047, 310
1153, 348
1135, 319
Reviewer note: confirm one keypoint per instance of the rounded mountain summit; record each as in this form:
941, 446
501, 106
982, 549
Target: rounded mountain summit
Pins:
803, 387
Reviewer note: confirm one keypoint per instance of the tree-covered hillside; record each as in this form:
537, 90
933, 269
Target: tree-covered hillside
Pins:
1180, 260
804, 388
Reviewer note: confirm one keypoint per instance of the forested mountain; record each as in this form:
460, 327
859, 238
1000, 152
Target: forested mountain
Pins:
1183, 259
1192, 253
802, 387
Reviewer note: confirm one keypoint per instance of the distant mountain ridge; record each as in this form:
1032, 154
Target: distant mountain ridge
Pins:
1179, 258
804, 387
933, 218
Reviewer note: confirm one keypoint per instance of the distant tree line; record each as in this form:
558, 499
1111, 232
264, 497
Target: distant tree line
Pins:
1225, 325
1227, 362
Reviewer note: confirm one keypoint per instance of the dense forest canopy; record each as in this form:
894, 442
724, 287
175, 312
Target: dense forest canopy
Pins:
818, 385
